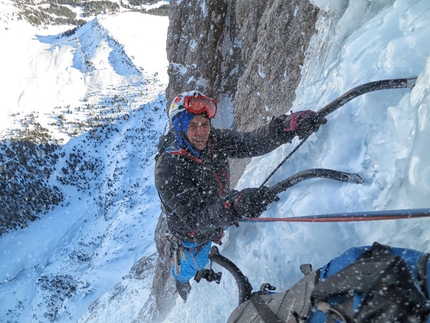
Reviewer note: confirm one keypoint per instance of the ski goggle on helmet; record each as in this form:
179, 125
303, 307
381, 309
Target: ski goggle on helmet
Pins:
194, 102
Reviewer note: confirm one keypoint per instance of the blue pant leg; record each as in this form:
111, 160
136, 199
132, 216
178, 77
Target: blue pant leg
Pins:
191, 263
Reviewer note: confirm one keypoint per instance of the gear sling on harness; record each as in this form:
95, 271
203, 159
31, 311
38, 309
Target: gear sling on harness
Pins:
188, 258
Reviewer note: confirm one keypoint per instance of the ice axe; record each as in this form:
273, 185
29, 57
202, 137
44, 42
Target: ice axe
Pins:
400, 83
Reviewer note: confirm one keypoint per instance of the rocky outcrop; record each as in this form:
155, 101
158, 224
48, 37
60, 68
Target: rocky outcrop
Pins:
247, 54
273, 49
204, 50
163, 293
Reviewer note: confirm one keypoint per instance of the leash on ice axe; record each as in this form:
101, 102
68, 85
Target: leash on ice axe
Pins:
400, 83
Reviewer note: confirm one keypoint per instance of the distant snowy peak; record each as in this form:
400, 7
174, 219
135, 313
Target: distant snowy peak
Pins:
94, 48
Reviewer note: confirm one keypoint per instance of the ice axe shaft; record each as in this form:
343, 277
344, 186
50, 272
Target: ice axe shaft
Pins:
316, 173
408, 82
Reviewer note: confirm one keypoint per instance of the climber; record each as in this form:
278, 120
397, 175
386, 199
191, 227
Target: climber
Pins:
192, 177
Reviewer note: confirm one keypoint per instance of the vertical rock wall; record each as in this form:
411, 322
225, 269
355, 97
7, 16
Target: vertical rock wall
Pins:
249, 51
203, 51
274, 38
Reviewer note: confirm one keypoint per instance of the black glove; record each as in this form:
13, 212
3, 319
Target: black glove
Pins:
251, 202
304, 123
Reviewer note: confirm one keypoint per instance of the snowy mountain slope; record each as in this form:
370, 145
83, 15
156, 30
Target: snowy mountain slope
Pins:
88, 59
54, 269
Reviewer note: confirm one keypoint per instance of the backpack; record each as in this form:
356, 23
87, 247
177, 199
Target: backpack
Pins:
365, 284
164, 142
